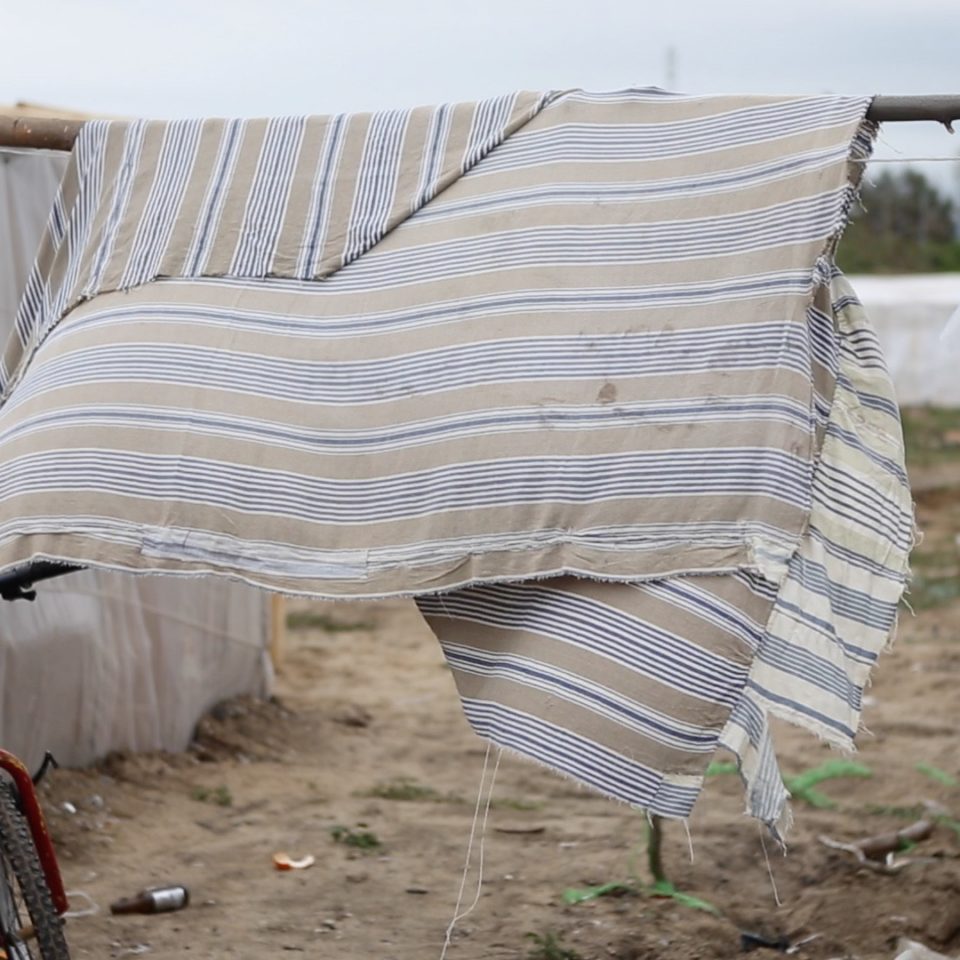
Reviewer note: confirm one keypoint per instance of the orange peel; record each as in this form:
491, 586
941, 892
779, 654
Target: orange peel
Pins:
283, 861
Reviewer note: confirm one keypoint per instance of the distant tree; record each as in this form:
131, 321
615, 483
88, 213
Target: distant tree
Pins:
904, 225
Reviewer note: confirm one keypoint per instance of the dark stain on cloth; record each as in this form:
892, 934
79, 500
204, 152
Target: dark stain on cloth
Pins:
607, 393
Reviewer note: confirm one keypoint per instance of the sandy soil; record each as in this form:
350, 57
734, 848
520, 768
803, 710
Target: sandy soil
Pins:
366, 735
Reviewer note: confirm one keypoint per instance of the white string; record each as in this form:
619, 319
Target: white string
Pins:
483, 831
773, 883
906, 160
457, 915
466, 866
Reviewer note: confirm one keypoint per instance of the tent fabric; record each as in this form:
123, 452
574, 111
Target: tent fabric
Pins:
573, 369
912, 314
102, 660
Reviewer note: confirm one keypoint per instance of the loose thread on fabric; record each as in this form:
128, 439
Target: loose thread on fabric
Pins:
457, 915
766, 857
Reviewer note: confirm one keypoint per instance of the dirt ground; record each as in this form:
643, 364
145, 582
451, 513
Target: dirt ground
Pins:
364, 760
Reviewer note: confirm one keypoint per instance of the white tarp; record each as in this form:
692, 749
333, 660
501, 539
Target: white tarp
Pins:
104, 661
910, 314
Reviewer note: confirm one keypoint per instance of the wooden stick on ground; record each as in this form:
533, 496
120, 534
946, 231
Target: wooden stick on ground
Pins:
278, 630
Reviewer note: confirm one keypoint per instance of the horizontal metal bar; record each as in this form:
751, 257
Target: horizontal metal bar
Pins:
44, 133
941, 108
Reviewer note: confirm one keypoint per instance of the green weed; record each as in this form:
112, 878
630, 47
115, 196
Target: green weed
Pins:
661, 887
548, 946
932, 591
719, 768
221, 796
361, 839
573, 895
935, 773
514, 803
916, 812
409, 791
949, 823
928, 435
802, 786
311, 620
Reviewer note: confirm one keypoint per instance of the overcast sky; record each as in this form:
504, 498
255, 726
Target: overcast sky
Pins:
171, 58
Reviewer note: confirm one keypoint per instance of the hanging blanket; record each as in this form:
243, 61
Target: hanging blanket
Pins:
536, 361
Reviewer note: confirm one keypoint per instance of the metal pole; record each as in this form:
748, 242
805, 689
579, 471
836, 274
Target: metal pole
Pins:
941, 108
43, 133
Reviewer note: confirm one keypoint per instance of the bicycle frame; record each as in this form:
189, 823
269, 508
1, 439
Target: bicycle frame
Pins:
14, 585
17, 584
30, 807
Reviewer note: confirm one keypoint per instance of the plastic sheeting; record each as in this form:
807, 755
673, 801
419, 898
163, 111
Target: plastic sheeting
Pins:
910, 314
104, 661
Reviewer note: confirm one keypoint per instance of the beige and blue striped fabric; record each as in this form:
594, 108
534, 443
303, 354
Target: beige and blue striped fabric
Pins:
541, 361
690, 663
836, 609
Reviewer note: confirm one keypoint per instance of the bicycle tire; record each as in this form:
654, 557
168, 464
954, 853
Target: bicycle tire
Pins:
20, 864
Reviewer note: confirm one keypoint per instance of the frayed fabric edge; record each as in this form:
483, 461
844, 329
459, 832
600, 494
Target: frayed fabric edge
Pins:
767, 798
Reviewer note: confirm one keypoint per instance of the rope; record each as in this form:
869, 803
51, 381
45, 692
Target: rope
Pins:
766, 857
908, 160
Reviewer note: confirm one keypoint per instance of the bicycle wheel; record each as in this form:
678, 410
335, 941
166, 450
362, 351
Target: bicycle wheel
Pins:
30, 928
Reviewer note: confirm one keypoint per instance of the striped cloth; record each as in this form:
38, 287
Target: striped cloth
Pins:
550, 354
837, 607
690, 663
